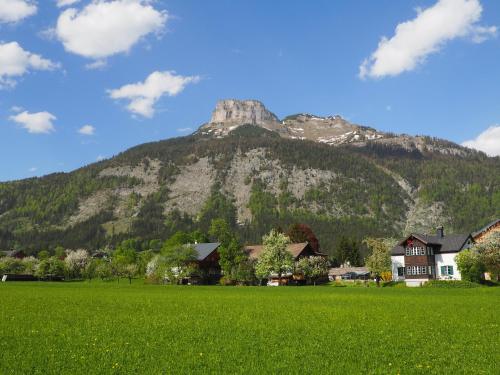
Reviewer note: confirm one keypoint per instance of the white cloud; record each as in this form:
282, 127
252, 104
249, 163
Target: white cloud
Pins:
15, 62
105, 28
65, 3
32, 169
16, 10
97, 64
414, 40
144, 95
100, 158
87, 130
488, 141
16, 108
36, 123
184, 130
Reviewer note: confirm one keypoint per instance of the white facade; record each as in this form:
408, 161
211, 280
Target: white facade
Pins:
397, 261
447, 259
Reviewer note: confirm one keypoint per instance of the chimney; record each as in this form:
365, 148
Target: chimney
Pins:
440, 231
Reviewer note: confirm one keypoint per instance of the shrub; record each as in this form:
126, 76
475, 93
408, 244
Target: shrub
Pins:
450, 284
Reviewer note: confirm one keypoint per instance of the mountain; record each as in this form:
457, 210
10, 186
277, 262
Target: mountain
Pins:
258, 172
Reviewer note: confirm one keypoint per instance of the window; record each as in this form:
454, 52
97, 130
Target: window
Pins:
408, 270
423, 270
447, 270
408, 251
401, 271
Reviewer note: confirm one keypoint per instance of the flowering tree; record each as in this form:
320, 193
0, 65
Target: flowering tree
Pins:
76, 261
275, 258
313, 268
379, 261
480, 258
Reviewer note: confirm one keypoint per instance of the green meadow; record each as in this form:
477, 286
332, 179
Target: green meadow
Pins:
110, 328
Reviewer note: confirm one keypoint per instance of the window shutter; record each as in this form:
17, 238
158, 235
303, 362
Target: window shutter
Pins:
450, 270
443, 270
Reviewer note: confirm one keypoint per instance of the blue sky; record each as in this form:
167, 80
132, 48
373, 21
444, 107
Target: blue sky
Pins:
61, 70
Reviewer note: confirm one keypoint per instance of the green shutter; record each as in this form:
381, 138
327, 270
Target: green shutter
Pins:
443, 270
450, 270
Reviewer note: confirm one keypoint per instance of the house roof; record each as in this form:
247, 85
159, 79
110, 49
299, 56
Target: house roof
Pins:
339, 271
486, 228
295, 249
205, 249
451, 243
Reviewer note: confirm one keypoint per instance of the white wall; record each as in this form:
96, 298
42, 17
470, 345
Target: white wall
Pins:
447, 259
397, 261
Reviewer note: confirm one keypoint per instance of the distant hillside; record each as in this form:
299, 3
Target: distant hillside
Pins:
257, 176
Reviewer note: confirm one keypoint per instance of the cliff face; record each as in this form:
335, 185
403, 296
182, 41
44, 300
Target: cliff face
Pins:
229, 114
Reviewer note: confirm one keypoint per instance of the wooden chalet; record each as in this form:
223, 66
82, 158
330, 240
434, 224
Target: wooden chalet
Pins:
421, 257
207, 262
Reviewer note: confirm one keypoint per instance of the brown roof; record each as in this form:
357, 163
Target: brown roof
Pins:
295, 249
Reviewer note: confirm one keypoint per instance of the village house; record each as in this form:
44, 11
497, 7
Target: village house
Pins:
207, 261
298, 251
420, 257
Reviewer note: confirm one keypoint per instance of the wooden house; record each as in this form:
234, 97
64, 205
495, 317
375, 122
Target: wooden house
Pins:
207, 261
421, 257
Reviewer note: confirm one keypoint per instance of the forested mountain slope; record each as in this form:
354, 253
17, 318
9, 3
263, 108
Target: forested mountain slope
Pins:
256, 179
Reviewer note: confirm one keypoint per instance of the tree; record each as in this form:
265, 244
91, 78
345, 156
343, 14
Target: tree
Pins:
50, 268
90, 270
30, 265
59, 252
489, 251
379, 261
75, 262
130, 271
303, 233
104, 270
347, 251
470, 265
178, 262
480, 258
231, 252
275, 259
313, 268
43, 254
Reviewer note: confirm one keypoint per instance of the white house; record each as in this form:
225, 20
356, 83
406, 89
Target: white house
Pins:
420, 257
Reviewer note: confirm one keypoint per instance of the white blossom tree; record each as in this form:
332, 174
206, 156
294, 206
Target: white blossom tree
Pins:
275, 259
76, 261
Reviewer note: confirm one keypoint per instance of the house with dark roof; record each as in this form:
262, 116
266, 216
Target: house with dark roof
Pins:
422, 257
486, 231
208, 268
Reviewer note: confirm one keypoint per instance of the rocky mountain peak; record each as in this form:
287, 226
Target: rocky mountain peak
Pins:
237, 112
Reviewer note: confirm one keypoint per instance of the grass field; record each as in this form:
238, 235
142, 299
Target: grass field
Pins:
82, 328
